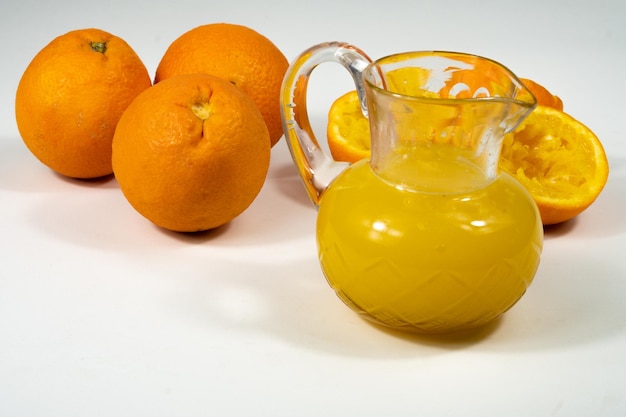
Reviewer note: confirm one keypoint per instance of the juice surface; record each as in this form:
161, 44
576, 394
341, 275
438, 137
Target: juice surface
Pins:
427, 261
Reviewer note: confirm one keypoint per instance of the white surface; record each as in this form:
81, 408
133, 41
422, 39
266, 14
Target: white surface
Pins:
103, 314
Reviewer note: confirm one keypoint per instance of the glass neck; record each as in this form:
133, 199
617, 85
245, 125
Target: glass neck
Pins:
436, 145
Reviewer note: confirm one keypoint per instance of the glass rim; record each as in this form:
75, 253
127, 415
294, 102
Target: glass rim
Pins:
375, 67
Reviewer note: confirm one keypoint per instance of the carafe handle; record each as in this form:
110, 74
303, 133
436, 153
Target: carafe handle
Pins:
317, 169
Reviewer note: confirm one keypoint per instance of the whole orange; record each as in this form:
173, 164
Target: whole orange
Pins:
191, 153
237, 54
71, 96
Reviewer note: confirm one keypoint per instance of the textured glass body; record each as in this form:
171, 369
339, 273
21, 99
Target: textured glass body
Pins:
427, 262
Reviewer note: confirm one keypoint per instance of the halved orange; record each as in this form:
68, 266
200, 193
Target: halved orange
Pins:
559, 160
348, 131
543, 96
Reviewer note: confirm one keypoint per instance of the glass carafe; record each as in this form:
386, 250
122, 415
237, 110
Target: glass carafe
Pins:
427, 235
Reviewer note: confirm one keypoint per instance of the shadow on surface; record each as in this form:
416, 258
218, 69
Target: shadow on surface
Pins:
452, 340
292, 302
290, 184
20, 171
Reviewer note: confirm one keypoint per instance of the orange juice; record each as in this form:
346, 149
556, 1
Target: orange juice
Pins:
428, 260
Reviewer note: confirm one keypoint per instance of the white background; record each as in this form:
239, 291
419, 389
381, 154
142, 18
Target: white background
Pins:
103, 314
